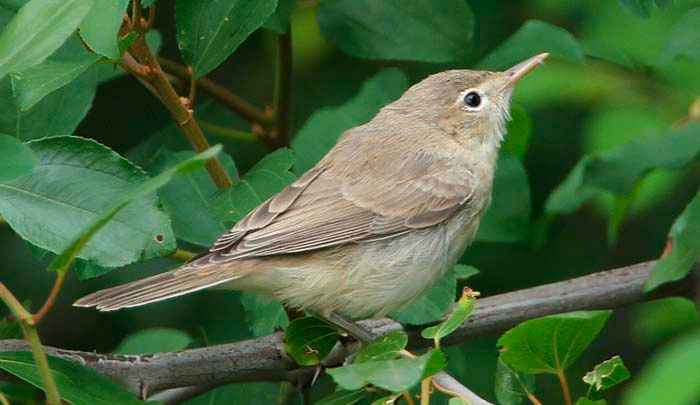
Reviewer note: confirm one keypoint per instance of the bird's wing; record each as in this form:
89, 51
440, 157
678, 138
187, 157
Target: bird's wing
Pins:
350, 196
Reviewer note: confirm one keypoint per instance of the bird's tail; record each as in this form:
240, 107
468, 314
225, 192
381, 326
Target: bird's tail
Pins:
184, 280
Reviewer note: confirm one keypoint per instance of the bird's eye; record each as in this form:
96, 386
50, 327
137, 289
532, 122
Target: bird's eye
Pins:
472, 99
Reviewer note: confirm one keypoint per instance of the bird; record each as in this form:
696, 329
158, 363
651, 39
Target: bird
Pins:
382, 216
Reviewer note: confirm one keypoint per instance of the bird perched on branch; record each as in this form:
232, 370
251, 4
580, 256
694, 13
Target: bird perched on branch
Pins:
377, 221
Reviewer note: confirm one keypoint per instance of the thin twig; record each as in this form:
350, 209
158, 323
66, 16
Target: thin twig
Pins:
408, 398
226, 132
220, 93
564, 387
51, 299
26, 321
182, 116
425, 388
283, 88
263, 359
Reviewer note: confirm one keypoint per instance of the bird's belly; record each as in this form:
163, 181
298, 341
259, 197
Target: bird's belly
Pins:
368, 279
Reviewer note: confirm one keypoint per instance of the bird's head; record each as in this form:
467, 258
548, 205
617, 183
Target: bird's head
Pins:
470, 104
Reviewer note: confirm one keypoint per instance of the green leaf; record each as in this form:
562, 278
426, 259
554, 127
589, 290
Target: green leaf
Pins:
643, 8
17, 159
670, 377
208, 31
130, 195
460, 313
37, 30
393, 375
100, 28
607, 374
188, 199
658, 320
244, 394
77, 384
684, 39
532, 38
58, 113
386, 347
419, 30
269, 176
512, 387
508, 217
618, 170
73, 186
685, 248
518, 132
343, 397
264, 314
434, 302
324, 127
458, 401
279, 20
552, 343
586, 401
154, 340
308, 340
66, 65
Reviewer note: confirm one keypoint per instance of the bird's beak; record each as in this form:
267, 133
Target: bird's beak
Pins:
518, 71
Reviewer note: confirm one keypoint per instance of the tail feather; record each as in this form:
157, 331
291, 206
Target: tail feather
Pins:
160, 287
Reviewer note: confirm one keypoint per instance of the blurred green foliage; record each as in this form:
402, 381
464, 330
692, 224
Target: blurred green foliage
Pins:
600, 166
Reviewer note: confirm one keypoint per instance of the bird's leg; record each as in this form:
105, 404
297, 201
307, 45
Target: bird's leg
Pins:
352, 328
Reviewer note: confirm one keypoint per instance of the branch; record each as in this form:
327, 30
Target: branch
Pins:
220, 93
263, 359
147, 69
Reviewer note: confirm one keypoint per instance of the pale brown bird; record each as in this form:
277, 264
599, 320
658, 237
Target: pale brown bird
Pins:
382, 216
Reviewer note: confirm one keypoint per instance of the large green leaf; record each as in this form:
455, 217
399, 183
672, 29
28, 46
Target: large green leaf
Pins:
508, 217
59, 113
154, 340
552, 343
37, 30
17, 159
512, 387
142, 191
617, 171
532, 38
419, 30
270, 175
322, 130
67, 64
684, 39
208, 31
393, 375
77, 384
671, 376
685, 248
188, 199
434, 302
73, 185
100, 28
264, 314
659, 320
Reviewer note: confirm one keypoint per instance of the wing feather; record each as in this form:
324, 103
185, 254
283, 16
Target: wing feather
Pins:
353, 196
